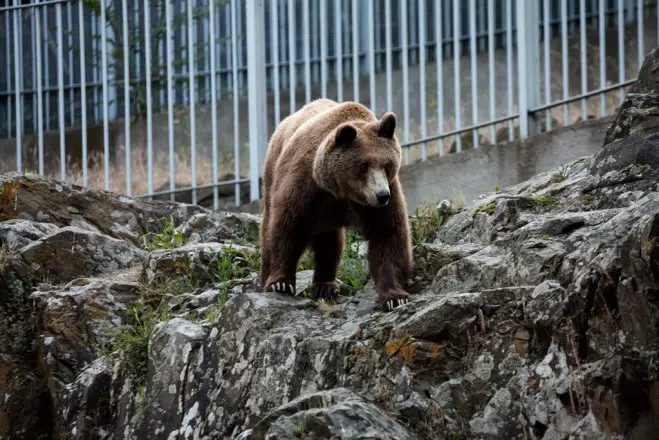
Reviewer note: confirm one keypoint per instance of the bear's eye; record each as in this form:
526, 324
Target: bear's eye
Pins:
363, 167
388, 167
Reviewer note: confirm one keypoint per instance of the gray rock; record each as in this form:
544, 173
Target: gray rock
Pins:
15, 234
336, 413
70, 252
640, 109
221, 227
32, 197
197, 262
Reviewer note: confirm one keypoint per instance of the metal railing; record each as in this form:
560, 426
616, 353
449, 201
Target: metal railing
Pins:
177, 98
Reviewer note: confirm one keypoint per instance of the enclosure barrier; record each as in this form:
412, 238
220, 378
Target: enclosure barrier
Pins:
177, 98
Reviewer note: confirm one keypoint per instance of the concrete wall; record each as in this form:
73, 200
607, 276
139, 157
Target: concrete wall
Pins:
477, 171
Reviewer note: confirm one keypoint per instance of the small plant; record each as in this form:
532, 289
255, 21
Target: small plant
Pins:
544, 201
353, 270
5, 258
587, 199
488, 208
324, 307
133, 343
236, 263
168, 238
560, 175
425, 223
214, 311
306, 261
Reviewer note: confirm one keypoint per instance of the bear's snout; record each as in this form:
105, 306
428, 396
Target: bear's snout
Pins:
383, 197
378, 188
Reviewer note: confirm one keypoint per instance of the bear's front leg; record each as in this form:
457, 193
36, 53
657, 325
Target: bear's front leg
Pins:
390, 251
286, 244
327, 249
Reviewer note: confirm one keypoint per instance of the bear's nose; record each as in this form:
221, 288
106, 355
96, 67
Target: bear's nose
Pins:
383, 197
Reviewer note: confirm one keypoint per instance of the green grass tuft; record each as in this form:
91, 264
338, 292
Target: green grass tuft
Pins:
544, 201
168, 238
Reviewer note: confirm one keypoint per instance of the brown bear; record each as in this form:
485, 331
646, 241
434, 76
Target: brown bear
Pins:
330, 166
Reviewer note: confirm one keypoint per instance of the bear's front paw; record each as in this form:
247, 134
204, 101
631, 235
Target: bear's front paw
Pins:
392, 299
328, 290
281, 286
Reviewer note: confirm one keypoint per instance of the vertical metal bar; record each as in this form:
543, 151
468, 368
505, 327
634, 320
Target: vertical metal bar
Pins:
307, 56
126, 55
339, 50
8, 70
104, 73
546, 36
291, 54
492, 67
323, 48
60, 81
256, 85
211, 16
161, 61
193, 128
236, 106
422, 76
83, 91
509, 64
387, 38
456, 72
136, 21
602, 46
69, 48
528, 65
371, 55
170, 97
406, 87
17, 92
564, 60
439, 51
149, 104
94, 41
582, 44
474, 69
621, 48
33, 54
641, 35
355, 52
205, 44
37, 29
274, 35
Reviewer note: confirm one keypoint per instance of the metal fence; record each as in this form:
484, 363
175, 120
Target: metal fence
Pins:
177, 98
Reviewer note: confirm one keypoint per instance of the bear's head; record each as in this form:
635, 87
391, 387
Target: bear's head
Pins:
359, 160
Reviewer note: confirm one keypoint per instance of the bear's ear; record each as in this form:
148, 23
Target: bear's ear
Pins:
387, 125
345, 134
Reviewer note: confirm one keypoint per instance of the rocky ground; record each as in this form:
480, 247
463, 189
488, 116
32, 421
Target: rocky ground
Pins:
535, 315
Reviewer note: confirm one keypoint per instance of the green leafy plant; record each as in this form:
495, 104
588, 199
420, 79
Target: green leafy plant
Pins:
168, 238
488, 208
353, 269
544, 200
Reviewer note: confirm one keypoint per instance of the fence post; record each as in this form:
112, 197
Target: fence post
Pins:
528, 65
257, 111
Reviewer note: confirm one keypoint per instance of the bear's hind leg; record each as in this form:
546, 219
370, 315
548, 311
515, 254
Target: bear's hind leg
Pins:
285, 248
327, 249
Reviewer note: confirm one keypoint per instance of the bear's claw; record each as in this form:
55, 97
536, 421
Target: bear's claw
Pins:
393, 303
327, 291
282, 287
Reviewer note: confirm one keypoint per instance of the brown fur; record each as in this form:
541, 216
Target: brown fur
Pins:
315, 185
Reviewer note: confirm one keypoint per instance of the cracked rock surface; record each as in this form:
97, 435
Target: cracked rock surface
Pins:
534, 315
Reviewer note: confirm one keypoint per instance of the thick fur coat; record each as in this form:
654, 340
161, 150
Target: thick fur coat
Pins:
330, 166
